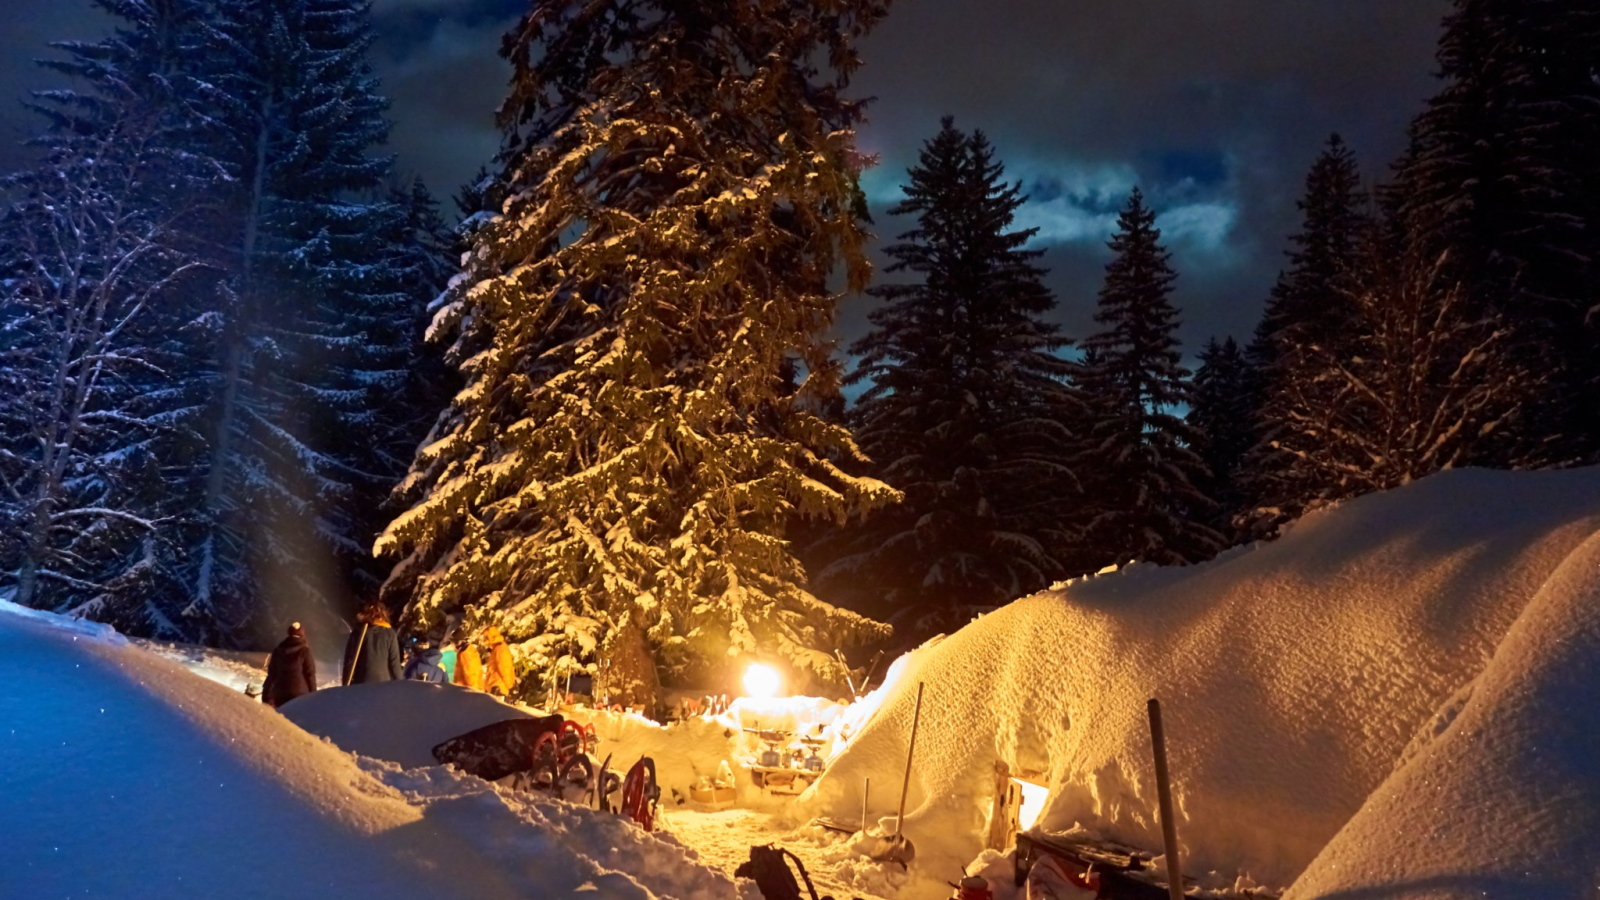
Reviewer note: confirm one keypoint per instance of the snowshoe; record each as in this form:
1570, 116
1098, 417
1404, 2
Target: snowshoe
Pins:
641, 794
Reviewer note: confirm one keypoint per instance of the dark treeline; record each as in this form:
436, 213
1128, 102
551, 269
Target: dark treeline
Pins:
216, 384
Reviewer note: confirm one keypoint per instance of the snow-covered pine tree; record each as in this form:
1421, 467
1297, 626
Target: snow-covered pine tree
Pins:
1222, 416
967, 408
406, 382
613, 481
1140, 473
1427, 385
297, 115
1500, 181
99, 260
1308, 321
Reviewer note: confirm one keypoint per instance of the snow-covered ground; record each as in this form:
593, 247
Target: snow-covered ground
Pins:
126, 776
1400, 699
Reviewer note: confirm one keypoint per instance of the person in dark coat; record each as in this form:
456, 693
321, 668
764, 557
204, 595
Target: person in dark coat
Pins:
373, 652
291, 671
424, 664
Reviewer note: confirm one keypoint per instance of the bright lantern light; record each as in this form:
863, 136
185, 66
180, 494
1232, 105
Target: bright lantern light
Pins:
762, 682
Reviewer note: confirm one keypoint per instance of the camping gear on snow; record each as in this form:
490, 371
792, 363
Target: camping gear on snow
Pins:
1169, 825
719, 792
769, 869
1122, 872
641, 794
898, 848
1051, 880
495, 751
973, 887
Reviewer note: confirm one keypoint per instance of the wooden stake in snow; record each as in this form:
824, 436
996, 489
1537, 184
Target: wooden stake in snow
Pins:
1169, 826
866, 791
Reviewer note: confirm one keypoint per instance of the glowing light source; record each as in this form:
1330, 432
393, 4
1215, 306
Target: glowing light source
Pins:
762, 682
1033, 798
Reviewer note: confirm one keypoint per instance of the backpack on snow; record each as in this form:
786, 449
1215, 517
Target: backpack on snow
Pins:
770, 871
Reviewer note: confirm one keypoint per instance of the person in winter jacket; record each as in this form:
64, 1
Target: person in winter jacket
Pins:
469, 668
502, 677
291, 671
372, 654
424, 664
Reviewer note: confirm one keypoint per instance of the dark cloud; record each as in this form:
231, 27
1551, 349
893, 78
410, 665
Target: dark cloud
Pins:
1214, 108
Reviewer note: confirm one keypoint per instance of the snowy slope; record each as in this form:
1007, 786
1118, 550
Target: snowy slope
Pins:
1293, 675
126, 776
1501, 797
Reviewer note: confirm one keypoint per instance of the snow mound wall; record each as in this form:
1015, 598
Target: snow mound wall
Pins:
1292, 675
1500, 796
398, 721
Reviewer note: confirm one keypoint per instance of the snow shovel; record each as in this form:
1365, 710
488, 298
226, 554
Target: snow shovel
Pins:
899, 848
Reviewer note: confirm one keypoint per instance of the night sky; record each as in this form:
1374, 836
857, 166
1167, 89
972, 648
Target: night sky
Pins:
1214, 108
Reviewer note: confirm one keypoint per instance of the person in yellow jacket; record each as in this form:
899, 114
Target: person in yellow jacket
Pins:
502, 676
469, 667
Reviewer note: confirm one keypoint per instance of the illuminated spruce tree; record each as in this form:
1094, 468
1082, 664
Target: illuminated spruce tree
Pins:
613, 483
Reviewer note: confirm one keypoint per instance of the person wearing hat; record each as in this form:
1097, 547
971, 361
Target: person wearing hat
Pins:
291, 671
424, 664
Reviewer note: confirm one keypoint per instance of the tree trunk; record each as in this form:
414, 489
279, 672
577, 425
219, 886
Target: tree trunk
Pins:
233, 369
628, 670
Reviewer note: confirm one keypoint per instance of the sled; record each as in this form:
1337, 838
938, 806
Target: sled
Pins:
504, 748
1050, 879
1121, 869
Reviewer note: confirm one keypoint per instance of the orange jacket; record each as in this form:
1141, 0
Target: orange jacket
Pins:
469, 668
502, 674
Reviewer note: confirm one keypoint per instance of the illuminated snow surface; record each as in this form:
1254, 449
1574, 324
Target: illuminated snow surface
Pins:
126, 776
1398, 700
1302, 681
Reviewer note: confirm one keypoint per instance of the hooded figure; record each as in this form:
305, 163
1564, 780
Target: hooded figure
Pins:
291, 671
469, 667
372, 654
424, 665
502, 677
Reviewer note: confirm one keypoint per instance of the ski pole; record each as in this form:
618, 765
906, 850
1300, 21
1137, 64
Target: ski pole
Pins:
360, 642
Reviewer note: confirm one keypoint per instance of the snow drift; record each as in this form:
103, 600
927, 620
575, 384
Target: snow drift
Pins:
1500, 795
1293, 675
126, 776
